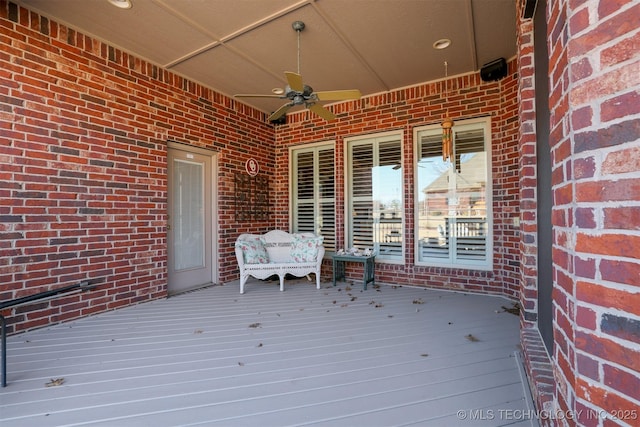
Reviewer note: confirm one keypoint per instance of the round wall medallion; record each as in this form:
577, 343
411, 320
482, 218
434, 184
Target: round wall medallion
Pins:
252, 167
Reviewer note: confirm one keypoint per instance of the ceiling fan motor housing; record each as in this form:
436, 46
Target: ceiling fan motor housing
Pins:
299, 97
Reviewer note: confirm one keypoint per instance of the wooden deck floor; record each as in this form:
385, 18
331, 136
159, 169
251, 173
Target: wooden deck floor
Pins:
388, 356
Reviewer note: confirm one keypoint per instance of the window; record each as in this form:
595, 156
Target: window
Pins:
313, 192
453, 200
374, 195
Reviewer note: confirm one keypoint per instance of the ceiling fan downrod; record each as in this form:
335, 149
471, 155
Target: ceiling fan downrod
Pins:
298, 26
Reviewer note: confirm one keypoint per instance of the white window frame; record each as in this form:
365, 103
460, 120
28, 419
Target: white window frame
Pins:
364, 139
293, 186
483, 123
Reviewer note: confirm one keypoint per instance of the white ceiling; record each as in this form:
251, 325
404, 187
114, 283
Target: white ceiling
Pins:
244, 46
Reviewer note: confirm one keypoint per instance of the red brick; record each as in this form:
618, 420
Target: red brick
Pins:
584, 168
608, 350
609, 401
579, 21
585, 268
563, 364
624, 50
623, 161
607, 190
608, 297
581, 69
625, 272
625, 104
588, 367
622, 218
582, 117
612, 81
585, 318
563, 195
623, 245
608, 7
625, 382
585, 218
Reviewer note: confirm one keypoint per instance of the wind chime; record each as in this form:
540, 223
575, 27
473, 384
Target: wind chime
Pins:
447, 124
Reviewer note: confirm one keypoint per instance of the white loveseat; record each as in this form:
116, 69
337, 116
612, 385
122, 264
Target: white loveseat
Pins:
279, 252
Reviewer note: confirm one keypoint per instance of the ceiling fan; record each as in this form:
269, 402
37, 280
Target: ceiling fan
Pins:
299, 93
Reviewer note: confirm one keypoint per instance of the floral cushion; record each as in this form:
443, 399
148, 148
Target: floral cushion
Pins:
305, 249
253, 251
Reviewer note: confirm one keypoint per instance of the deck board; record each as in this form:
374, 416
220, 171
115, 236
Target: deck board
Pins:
338, 356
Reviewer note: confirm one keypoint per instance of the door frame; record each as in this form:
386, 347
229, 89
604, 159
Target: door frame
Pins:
544, 184
213, 155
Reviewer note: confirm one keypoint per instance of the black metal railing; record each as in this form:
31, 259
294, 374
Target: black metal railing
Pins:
82, 286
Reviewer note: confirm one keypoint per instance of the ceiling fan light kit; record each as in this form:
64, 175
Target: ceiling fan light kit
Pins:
122, 4
299, 93
441, 44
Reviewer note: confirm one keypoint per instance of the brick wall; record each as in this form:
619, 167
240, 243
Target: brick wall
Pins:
467, 97
83, 167
595, 138
594, 80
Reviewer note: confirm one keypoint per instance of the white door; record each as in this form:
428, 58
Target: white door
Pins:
189, 220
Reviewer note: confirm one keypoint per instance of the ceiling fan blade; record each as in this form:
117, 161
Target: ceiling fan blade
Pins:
256, 95
322, 112
279, 112
295, 81
338, 95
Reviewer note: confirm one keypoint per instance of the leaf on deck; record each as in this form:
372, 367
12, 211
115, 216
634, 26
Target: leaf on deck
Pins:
55, 382
515, 309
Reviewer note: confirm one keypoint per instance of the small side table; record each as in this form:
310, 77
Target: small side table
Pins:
368, 264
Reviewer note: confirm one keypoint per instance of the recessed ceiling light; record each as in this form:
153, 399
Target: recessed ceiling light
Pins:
122, 4
442, 44
277, 90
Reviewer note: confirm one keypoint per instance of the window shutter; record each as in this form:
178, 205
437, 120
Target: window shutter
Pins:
304, 197
362, 195
375, 196
325, 212
313, 193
